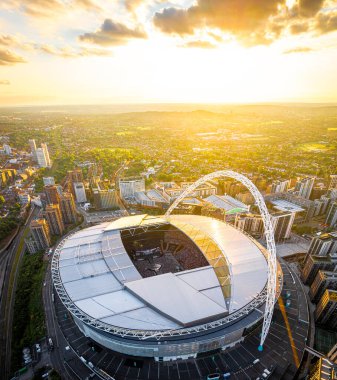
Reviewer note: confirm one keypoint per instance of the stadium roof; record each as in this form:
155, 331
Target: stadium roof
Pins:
227, 203
102, 281
283, 205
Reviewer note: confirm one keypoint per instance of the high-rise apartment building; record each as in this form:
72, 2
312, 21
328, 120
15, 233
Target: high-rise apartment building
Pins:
250, 223
313, 264
32, 145
324, 244
40, 232
324, 280
128, 187
52, 194
42, 156
31, 245
280, 186
202, 191
79, 191
333, 182
282, 223
331, 218
54, 218
105, 199
68, 208
304, 187
326, 310
75, 175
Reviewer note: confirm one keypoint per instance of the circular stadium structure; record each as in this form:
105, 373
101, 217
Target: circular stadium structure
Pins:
164, 287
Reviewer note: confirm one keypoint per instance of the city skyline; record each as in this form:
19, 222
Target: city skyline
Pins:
92, 52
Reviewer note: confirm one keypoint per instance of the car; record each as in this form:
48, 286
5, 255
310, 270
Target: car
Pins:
38, 348
213, 376
50, 344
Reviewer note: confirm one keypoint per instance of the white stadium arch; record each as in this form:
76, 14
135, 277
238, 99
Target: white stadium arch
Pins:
268, 230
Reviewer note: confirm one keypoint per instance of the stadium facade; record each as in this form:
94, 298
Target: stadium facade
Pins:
167, 288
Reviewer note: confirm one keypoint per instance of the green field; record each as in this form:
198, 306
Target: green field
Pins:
316, 147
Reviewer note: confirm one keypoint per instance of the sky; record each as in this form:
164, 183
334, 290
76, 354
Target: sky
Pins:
157, 51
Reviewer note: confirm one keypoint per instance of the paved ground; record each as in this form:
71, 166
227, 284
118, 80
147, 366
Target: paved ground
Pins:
291, 327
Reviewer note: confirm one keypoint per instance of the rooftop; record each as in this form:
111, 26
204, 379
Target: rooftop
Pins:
226, 203
283, 205
102, 281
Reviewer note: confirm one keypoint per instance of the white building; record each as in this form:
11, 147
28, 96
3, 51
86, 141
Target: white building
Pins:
24, 198
333, 181
331, 219
304, 187
282, 223
48, 181
280, 186
32, 145
42, 156
7, 149
128, 187
80, 192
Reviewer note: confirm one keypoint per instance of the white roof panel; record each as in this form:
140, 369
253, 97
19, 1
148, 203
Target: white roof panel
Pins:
244, 256
216, 295
92, 286
119, 302
94, 309
200, 278
134, 221
144, 318
175, 299
101, 279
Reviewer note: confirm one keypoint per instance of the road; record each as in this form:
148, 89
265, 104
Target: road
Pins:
56, 357
66, 362
11, 259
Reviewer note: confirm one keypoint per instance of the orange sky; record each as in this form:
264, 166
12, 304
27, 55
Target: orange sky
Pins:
134, 51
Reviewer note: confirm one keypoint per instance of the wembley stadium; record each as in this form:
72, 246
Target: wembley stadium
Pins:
164, 287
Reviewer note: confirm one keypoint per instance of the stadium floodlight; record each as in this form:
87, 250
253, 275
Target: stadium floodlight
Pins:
268, 230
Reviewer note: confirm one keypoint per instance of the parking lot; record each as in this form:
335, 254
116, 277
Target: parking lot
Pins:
238, 361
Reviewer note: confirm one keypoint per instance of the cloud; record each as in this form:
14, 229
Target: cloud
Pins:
4, 82
251, 22
131, 5
309, 8
326, 22
299, 27
299, 49
112, 33
69, 52
240, 17
8, 58
199, 45
6, 40
50, 8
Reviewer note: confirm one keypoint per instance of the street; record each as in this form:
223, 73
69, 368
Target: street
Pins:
11, 260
